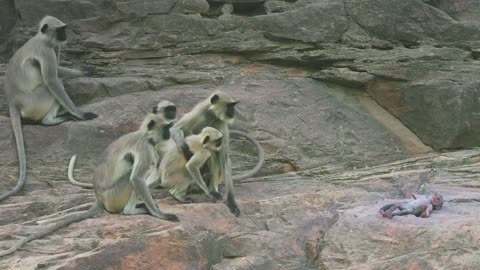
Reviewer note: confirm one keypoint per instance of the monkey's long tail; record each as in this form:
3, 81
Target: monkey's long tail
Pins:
72, 180
96, 208
17, 131
260, 154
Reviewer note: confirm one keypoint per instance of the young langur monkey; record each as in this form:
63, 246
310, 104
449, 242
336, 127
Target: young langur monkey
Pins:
164, 108
34, 90
179, 173
217, 111
420, 206
119, 178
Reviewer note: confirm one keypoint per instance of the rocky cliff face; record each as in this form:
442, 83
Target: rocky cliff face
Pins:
352, 101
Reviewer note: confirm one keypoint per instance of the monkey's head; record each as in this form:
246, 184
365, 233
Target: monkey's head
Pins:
156, 127
167, 109
437, 201
211, 138
54, 30
222, 106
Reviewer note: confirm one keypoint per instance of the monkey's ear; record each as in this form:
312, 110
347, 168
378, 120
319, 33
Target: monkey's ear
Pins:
151, 124
44, 28
154, 109
206, 139
214, 99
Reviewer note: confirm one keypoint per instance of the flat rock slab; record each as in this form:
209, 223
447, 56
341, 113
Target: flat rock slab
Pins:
288, 222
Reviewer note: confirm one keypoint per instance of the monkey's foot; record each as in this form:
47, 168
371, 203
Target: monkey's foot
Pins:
170, 217
89, 116
180, 198
216, 195
387, 214
233, 206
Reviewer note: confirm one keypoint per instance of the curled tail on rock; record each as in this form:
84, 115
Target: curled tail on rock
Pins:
244, 175
72, 180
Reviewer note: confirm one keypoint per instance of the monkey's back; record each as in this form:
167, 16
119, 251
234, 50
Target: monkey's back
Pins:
118, 158
23, 70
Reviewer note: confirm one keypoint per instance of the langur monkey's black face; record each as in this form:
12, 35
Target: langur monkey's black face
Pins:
231, 109
168, 109
170, 112
212, 138
218, 142
61, 33
223, 107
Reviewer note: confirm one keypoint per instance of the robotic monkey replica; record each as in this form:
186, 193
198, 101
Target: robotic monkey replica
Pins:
34, 90
420, 206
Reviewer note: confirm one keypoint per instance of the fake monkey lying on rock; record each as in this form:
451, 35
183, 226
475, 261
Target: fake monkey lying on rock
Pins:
420, 206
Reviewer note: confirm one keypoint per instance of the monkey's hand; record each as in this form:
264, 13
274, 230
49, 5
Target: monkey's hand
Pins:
425, 214
170, 217
87, 116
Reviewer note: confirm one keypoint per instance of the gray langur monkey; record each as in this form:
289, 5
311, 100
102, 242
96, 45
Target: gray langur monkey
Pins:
217, 111
178, 173
164, 108
167, 109
118, 179
34, 90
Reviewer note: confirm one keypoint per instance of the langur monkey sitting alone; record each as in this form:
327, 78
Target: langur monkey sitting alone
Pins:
119, 178
34, 89
217, 111
420, 206
179, 174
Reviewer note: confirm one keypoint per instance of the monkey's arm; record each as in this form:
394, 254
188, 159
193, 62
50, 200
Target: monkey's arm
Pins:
50, 78
67, 73
193, 167
226, 172
141, 189
176, 133
426, 213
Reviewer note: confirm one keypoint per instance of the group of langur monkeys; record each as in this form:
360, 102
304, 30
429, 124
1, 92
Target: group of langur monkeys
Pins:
183, 156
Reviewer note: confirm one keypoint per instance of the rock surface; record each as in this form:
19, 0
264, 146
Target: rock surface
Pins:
354, 102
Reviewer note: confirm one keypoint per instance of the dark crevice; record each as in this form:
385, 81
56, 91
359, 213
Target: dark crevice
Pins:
308, 66
249, 9
476, 55
214, 11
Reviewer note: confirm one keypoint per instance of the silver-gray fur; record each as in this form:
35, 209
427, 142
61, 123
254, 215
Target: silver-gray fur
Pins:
34, 89
179, 174
216, 111
165, 108
119, 178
